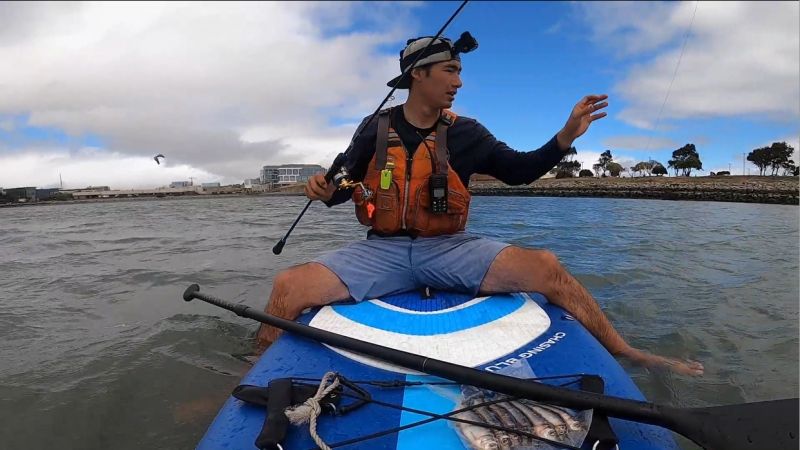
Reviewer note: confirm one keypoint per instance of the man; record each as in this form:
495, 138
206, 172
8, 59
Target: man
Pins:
414, 162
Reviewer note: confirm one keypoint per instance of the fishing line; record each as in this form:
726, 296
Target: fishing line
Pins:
674, 75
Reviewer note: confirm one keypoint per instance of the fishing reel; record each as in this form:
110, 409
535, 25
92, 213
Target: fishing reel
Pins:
367, 193
341, 179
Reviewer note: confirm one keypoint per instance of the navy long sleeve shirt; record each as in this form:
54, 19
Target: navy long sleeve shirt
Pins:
473, 150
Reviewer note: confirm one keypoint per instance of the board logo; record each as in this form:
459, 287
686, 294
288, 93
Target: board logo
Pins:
472, 332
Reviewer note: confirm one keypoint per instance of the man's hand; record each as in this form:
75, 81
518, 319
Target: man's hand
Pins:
319, 189
583, 114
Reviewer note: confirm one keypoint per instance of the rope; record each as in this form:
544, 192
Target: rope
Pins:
311, 409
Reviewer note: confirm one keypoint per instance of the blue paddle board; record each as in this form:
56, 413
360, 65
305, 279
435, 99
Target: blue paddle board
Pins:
492, 333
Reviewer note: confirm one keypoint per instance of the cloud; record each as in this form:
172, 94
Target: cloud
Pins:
219, 88
557, 27
7, 125
741, 58
45, 167
640, 143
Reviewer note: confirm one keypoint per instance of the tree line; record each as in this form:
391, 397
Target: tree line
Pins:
775, 159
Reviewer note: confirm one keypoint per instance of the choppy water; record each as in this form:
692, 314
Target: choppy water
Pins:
97, 349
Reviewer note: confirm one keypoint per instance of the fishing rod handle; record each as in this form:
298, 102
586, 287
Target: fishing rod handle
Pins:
335, 167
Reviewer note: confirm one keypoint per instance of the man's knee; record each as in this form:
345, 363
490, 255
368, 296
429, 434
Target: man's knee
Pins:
283, 282
306, 285
540, 261
283, 299
547, 260
546, 269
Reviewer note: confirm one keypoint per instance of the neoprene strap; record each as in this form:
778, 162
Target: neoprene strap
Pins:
381, 147
276, 423
600, 434
441, 144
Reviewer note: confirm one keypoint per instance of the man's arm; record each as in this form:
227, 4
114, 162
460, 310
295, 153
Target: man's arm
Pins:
513, 167
497, 159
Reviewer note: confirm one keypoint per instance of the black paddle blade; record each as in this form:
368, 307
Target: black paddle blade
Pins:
766, 425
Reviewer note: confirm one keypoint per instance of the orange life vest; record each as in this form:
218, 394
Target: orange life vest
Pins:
403, 201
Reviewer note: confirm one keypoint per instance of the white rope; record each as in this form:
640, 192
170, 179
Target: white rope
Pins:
311, 409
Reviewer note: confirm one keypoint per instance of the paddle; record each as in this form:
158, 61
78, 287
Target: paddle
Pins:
769, 425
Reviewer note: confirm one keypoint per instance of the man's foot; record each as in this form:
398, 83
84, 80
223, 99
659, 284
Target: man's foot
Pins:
687, 367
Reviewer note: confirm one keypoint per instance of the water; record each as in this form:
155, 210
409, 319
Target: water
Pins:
97, 349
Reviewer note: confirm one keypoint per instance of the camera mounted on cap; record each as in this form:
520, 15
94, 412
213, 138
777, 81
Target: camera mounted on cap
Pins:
465, 44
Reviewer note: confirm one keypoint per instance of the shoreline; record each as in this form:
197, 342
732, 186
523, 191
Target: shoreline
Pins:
740, 189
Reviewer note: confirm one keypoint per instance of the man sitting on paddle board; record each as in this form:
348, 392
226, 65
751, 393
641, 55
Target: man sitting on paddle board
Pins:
414, 162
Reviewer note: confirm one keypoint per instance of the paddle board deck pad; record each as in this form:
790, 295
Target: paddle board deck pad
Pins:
500, 333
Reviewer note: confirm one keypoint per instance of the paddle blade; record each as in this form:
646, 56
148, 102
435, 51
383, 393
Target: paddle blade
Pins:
749, 426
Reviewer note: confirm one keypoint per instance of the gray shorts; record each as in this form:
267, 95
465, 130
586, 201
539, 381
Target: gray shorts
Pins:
380, 266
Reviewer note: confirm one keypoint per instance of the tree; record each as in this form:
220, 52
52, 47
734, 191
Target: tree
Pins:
759, 157
605, 158
614, 169
567, 167
585, 173
775, 157
789, 168
598, 169
659, 170
685, 158
779, 153
638, 168
645, 167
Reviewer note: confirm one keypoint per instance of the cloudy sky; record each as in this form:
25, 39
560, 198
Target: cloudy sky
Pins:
92, 91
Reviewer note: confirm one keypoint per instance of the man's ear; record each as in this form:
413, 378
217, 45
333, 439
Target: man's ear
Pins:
416, 73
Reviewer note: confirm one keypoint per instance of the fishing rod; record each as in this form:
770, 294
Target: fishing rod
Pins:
747, 426
337, 172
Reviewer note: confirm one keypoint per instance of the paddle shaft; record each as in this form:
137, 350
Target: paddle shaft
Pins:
612, 406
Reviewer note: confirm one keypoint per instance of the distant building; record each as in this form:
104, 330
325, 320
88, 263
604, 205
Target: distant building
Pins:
87, 189
180, 184
289, 173
45, 194
210, 185
270, 175
21, 194
250, 182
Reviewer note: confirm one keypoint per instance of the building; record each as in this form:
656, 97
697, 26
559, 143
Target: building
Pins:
180, 184
289, 173
46, 194
270, 175
209, 185
21, 194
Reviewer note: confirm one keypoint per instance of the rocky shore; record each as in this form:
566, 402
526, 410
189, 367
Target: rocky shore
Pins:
747, 189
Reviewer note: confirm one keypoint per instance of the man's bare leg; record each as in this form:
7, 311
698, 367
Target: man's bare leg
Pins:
518, 269
296, 289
